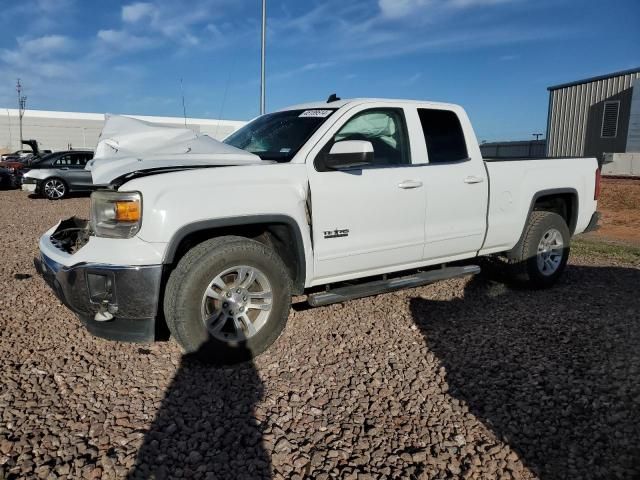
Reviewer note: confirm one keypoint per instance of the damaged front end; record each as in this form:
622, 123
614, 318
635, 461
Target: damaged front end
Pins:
114, 301
71, 235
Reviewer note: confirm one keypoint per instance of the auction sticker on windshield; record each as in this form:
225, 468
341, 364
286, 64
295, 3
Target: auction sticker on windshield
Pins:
316, 113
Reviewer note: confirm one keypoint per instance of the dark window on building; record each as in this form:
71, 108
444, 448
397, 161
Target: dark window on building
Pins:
444, 136
610, 119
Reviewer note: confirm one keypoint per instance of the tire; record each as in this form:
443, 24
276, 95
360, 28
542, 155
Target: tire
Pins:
54, 188
541, 258
202, 269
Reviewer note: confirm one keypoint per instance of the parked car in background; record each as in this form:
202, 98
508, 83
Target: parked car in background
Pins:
7, 179
7, 157
55, 175
18, 162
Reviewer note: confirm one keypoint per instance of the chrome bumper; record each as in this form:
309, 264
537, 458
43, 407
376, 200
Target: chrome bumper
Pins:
113, 301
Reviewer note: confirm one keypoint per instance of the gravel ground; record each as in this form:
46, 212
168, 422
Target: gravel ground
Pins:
462, 379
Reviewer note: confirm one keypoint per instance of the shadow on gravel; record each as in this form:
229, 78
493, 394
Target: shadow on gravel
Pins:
555, 373
205, 427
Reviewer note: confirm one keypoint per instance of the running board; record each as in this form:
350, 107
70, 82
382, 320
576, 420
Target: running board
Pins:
350, 292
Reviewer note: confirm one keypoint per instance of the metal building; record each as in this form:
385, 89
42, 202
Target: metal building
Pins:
595, 116
63, 130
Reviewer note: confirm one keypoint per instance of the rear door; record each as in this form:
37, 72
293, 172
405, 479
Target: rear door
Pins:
70, 167
82, 177
456, 185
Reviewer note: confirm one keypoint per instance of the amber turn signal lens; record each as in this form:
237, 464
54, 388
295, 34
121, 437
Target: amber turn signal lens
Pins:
127, 210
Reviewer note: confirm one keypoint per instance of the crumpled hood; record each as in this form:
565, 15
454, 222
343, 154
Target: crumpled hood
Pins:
127, 145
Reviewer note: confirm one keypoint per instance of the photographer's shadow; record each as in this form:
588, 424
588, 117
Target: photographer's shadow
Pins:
206, 427
554, 373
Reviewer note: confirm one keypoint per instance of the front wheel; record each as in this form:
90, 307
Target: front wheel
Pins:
54, 188
544, 251
228, 299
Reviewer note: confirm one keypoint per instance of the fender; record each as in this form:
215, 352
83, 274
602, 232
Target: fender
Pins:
297, 249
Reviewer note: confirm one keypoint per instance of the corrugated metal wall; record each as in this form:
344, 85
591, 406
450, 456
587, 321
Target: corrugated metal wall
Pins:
59, 133
569, 109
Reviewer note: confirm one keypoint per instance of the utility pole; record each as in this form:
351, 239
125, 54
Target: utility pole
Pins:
262, 57
22, 102
184, 108
537, 135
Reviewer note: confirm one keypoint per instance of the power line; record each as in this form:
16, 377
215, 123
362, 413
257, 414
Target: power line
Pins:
22, 103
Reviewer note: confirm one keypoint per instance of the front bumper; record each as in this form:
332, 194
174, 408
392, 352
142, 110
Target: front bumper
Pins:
125, 295
29, 187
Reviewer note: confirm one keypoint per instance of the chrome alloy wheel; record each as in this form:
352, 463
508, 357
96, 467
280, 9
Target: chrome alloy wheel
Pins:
54, 189
550, 251
237, 304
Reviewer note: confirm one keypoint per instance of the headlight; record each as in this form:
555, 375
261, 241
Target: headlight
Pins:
116, 214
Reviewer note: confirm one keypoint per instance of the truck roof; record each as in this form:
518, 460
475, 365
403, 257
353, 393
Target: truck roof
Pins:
346, 101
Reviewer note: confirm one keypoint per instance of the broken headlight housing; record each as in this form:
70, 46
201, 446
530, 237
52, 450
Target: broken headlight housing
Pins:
116, 214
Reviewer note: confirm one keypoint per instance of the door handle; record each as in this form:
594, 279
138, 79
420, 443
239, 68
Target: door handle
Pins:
407, 184
64, 168
473, 179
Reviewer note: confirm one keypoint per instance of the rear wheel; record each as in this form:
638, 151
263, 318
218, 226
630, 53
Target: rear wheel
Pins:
54, 188
542, 256
228, 299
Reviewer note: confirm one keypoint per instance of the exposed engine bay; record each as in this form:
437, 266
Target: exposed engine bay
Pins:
71, 235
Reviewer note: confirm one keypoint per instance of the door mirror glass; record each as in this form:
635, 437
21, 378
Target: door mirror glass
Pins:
350, 154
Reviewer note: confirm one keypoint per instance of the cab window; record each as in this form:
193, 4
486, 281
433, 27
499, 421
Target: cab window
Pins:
385, 128
443, 135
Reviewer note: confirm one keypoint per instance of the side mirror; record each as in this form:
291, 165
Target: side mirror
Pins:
349, 154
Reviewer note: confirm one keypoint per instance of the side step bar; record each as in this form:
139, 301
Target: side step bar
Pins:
350, 292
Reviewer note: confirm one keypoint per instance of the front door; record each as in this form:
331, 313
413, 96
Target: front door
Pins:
368, 218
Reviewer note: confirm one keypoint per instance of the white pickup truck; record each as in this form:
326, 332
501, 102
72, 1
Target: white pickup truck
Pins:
333, 200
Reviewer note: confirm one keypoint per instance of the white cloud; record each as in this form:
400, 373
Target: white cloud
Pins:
124, 41
137, 11
44, 45
184, 25
45, 50
400, 8
394, 9
412, 79
308, 67
475, 3
53, 5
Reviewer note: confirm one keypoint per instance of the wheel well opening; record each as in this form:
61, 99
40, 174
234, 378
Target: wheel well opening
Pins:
564, 204
279, 236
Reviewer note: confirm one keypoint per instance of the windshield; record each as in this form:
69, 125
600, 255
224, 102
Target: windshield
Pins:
279, 136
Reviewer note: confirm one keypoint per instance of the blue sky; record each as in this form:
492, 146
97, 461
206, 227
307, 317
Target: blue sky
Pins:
495, 57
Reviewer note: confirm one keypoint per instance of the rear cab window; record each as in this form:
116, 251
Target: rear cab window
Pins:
443, 135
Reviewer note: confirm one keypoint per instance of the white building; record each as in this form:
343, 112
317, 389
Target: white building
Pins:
64, 130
